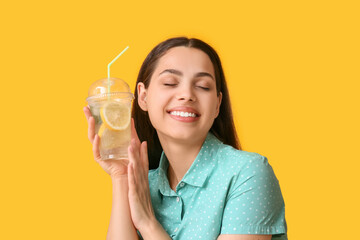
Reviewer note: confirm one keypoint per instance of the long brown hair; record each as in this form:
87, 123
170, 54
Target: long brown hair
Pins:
223, 127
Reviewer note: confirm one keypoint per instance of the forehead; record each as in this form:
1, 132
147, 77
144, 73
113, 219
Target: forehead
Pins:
185, 59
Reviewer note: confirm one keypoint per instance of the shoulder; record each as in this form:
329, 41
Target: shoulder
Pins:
231, 157
226, 155
243, 166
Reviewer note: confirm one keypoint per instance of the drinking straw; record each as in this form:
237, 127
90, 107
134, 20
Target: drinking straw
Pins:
112, 63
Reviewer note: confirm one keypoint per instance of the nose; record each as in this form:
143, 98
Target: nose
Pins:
186, 93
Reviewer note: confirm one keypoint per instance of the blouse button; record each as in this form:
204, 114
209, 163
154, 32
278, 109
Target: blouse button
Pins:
182, 184
177, 199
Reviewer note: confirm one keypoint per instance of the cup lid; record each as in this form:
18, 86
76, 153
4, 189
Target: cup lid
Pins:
118, 88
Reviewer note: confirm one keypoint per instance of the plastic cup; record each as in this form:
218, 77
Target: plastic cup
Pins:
110, 105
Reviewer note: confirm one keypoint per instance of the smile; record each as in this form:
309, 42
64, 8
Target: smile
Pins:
183, 114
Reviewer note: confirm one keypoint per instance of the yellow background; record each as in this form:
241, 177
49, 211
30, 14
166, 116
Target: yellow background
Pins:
293, 72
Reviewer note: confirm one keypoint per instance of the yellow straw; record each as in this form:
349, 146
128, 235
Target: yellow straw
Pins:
110, 65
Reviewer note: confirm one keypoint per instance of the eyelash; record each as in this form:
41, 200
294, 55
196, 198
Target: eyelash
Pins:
174, 84
204, 88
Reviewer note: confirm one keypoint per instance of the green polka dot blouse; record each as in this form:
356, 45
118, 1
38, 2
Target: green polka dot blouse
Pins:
225, 191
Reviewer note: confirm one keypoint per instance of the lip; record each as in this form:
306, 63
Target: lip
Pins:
184, 109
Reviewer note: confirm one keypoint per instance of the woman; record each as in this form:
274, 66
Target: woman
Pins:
201, 185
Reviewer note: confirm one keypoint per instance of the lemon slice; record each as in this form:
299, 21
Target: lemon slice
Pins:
101, 131
110, 139
115, 115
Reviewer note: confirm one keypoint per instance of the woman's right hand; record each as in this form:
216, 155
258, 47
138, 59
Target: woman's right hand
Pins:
115, 168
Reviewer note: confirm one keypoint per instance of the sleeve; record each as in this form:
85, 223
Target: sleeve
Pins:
254, 204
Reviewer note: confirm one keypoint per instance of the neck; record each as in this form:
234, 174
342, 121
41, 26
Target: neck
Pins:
180, 156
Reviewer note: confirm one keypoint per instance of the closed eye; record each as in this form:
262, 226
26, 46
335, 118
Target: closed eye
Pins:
169, 84
204, 88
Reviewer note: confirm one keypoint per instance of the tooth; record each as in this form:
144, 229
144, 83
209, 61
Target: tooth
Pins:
183, 114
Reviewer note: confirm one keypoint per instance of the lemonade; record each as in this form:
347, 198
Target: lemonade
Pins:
112, 114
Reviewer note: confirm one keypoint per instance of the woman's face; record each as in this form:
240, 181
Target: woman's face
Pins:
181, 99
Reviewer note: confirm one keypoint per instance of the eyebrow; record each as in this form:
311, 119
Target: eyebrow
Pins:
177, 72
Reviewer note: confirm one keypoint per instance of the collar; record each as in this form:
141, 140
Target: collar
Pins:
199, 169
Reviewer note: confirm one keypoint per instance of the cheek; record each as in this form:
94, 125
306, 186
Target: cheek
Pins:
156, 103
213, 102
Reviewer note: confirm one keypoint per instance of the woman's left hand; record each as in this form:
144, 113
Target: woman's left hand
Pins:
142, 213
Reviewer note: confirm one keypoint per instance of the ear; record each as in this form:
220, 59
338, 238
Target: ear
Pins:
218, 104
141, 91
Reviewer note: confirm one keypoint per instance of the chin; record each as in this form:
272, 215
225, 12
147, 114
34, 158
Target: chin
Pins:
186, 135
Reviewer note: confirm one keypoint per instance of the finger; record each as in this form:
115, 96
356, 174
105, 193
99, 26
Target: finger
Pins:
144, 155
131, 154
135, 152
96, 150
144, 168
91, 123
131, 177
87, 113
91, 129
134, 133
132, 184
134, 158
